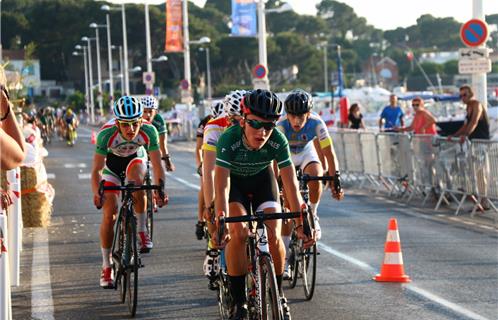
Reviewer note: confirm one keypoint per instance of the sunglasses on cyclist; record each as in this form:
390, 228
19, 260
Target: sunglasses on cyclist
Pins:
131, 124
260, 124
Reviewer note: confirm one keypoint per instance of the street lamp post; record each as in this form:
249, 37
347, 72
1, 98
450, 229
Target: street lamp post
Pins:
109, 53
325, 68
83, 53
120, 65
262, 37
99, 71
90, 78
208, 73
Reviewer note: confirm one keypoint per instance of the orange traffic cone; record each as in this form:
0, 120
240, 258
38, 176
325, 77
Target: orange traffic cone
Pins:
392, 269
93, 138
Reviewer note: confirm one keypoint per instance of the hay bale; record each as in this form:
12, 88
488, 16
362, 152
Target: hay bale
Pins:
36, 210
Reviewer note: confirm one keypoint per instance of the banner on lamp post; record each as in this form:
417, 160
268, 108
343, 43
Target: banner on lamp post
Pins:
244, 18
174, 26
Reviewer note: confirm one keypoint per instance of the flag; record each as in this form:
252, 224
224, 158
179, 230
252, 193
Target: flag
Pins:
244, 18
174, 26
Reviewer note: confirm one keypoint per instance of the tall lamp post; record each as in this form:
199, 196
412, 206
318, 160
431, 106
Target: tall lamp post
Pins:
83, 53
262, 37
120, 65
126, 78
99, 70
90, 77
208, 73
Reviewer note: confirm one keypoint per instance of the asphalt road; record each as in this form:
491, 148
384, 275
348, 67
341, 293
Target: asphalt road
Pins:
453, 263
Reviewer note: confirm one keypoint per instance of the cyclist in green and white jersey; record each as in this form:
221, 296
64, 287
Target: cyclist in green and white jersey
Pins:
120, 156
151, 106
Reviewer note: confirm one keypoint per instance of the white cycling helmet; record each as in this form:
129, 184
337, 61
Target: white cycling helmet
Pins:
128, 108
149, 102
232, 102
217, 109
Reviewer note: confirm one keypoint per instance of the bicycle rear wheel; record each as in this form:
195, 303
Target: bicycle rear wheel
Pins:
132, 269
117, 258
294, 258
270, 297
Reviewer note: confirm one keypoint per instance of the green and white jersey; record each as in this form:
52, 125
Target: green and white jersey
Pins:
231, 153
159, 123
109, 140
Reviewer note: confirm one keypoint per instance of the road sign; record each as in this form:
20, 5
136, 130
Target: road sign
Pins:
157, 91
469, 66
148, 91
261, 84
473, 53
474, 33
184, 84
259, 71
148, 77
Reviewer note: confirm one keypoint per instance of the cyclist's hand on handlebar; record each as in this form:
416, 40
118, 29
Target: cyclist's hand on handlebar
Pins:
336, 188
221, 236
162, 198
98, 200
308, 241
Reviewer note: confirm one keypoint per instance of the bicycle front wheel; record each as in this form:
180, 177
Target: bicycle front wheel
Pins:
294, 258
309, 271
131, 273
270, 297
150, 213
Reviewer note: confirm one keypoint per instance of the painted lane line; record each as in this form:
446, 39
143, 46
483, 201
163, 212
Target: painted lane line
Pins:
73, 165
188, 184
42, 306
419, 291
447, 304
84, 176
51, 176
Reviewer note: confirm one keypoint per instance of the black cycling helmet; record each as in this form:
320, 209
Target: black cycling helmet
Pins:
262, 103
298, 102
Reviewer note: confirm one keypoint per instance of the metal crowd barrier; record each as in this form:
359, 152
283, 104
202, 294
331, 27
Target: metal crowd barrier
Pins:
420, 166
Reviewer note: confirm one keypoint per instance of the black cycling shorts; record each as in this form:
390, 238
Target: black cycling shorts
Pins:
261, 188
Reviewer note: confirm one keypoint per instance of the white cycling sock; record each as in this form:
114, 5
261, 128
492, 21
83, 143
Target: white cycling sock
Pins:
106, 261
314, 207
141, 222
286, 240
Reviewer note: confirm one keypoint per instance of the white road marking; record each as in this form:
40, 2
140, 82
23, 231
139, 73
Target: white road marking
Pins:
73, 165
424, 293
84, 176
42, 306
51, 176
188, 184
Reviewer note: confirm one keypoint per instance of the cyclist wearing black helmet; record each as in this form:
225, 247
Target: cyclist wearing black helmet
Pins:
301, 127
243, 166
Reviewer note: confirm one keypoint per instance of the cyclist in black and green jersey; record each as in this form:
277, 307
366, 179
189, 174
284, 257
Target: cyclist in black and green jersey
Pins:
243, 170
151, 106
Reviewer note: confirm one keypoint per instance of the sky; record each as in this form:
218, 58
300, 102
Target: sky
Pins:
390, 14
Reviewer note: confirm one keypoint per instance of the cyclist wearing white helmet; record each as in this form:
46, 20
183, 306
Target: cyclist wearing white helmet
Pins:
120, 155
231, 116
151, 106
216, 111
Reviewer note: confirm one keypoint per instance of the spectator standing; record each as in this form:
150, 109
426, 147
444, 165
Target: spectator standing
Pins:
391, 116
475, 126
423, 121
355, 117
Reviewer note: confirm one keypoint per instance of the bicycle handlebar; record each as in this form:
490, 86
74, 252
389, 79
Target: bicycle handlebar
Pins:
131, 187
261, 216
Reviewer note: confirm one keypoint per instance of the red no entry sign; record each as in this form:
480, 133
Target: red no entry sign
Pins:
259, 71
474, 33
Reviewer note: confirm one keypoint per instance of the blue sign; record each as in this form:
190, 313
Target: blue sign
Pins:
243, 18
157, 91
259, 71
